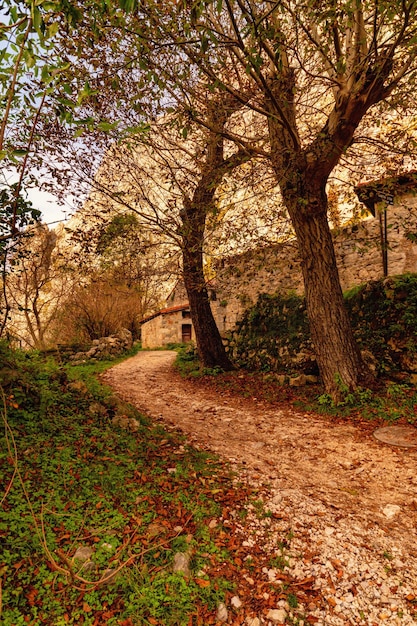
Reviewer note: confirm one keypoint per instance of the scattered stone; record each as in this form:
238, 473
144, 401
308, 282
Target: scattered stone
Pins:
391, 510
97, 410
278, 616
236, 602
134, 425
109, 576
222, 613
122, 421
83, 553
82, 557
78, 386
402, 436
298, 381
125, 422
182, 563
272, 575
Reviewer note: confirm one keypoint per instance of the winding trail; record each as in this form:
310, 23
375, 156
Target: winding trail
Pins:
343, 494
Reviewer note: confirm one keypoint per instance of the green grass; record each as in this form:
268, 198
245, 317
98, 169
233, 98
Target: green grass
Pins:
188, 365
135, 498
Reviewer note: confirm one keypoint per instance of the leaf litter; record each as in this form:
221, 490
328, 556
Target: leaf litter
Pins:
134, 499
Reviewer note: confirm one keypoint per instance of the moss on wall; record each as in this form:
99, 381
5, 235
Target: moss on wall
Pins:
274, 334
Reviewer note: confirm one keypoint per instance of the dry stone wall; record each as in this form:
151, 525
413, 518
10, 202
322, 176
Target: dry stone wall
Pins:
102, 348
276, 269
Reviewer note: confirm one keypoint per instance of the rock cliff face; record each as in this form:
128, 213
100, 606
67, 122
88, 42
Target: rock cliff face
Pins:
276, 269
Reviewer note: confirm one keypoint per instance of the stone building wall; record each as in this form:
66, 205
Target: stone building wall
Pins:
163, 329
167, 326
274, 269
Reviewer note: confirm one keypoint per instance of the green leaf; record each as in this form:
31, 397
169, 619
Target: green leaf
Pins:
127, 5
106, 126
52, 30
37, 21
20, 153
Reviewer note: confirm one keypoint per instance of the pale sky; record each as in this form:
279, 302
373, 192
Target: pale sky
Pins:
52, 210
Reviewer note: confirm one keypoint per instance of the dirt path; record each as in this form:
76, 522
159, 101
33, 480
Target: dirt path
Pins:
342, 493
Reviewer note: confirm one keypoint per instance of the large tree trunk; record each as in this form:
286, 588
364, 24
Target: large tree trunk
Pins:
210, 346
338, 357
302, 176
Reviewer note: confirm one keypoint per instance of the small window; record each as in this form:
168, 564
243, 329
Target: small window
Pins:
186, 315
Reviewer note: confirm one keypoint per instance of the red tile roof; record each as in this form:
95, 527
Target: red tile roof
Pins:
172, 309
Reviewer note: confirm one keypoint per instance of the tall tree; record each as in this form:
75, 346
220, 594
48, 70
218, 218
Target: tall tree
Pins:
316, 70
171, 183
314, 73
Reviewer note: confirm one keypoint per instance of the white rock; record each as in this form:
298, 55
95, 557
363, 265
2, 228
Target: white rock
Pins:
236, 602
181, 563
278, 616
222, 613
349, 597
109, 576
391, 510
272, 575
84, 553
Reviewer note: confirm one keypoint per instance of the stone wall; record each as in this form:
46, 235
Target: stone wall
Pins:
276, 269
102, 348
163, 329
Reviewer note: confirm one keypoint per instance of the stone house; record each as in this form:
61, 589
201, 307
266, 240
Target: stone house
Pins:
173, 324
383, 244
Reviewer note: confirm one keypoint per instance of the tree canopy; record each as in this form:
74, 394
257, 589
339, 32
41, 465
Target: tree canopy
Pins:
312, 76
